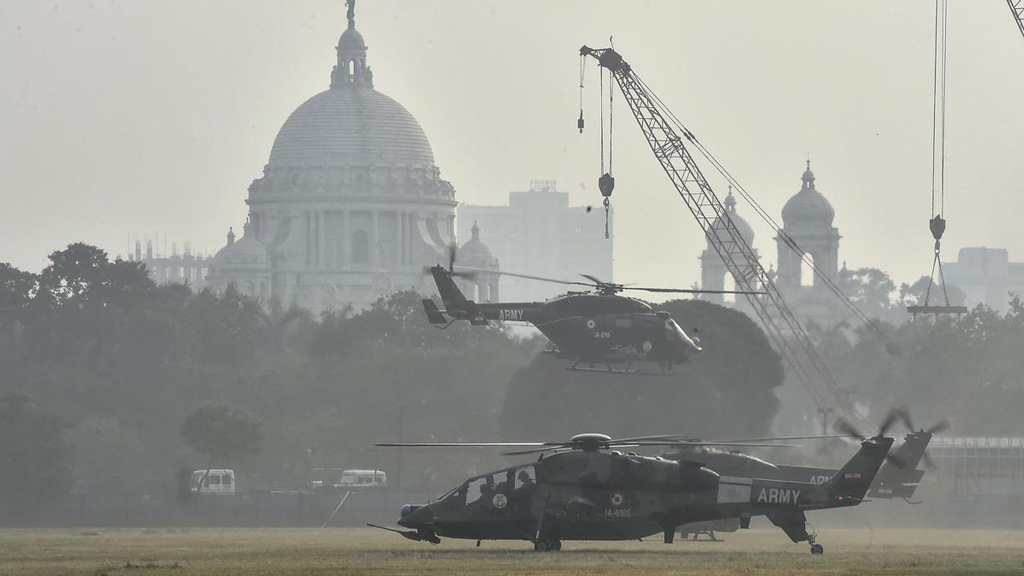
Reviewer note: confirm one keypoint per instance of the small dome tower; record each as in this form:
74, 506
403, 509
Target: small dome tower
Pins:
476, 254
244, 264
712, 268
807, 229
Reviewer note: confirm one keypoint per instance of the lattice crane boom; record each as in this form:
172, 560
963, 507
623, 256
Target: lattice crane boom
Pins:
783, 327
1017, 7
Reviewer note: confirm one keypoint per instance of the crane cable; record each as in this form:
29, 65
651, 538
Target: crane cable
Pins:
601, 106
583, 69
607, 182
867, 321
937, 224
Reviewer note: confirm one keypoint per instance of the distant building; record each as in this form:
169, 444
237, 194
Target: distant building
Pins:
351, 204
185, 268
538, 233
483, 285
713, 272
986, 276
807, 231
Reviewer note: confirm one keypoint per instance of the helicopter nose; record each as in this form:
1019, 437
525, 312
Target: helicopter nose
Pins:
408, 517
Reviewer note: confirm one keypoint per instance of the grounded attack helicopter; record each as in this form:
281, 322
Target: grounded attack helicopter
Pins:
592, 328
589, 490
897, 478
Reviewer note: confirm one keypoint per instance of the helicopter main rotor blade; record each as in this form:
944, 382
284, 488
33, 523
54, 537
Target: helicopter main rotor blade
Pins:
634, 444
527, 276
463, 444
773, 438
691, 290
552, 448
683, 438
597, 281
687, 444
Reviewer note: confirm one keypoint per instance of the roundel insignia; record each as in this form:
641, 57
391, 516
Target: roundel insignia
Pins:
499, 501
591, 324
616, 499
647, 345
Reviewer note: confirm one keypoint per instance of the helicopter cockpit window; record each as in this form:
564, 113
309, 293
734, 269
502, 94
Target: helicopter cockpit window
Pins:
475, 489
525, 477
500, 482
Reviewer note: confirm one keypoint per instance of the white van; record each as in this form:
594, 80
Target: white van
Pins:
362, 479
216, 481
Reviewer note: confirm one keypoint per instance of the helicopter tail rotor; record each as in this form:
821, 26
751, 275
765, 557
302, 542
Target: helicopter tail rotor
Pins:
891, 417
921, 436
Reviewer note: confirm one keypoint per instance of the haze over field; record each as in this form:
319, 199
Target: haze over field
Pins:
136, 118
341, 361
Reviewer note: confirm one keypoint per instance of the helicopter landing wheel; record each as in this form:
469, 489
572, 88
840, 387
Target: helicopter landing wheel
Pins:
817, 549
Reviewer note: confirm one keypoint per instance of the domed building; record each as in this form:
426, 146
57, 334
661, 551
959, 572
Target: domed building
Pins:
244, 264
807, 229
351, 204
483, 286
712, 269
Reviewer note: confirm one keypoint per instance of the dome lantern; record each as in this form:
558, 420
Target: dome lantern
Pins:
741, 225
808, 177
351, 70
808, 207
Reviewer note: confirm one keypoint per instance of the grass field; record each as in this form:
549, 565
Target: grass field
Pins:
858, 552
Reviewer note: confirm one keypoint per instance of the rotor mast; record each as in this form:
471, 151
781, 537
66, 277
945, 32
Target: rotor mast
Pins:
783, 327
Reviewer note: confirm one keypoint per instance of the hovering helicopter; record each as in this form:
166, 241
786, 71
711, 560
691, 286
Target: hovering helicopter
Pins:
897, 478
588, 490
596, 327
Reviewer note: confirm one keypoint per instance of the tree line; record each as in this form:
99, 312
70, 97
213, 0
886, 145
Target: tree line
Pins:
113, 383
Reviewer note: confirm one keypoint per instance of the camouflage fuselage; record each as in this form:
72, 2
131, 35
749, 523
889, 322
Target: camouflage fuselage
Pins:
584, 495
600, 328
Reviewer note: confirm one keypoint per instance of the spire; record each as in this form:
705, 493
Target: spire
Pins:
475, 230
231, 236
808, 176
730, 201
351, 69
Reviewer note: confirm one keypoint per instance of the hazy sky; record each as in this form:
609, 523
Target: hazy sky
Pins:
126, 118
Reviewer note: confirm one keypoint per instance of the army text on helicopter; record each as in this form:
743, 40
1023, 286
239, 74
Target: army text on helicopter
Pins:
897, 478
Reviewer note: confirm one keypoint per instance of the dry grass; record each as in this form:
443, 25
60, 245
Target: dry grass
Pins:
366, 551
